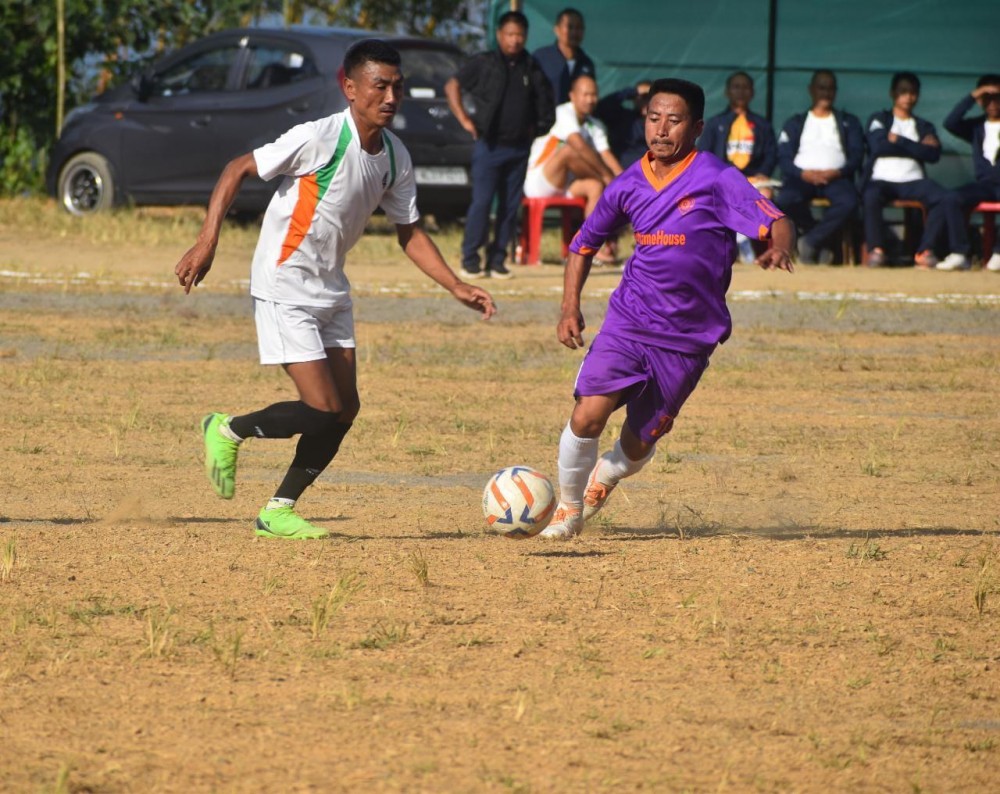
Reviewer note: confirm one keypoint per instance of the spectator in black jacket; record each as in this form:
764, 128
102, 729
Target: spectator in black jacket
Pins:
624, 114
513, 104
899, 144
565, 60
820, 153
983, 132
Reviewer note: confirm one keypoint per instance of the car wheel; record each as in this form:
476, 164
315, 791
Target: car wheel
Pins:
86, 185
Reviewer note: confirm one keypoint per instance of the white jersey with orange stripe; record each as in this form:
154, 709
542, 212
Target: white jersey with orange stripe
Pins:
592, 130
330, 188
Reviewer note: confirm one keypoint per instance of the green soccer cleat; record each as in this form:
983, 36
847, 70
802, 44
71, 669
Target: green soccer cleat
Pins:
220, 456
282, 522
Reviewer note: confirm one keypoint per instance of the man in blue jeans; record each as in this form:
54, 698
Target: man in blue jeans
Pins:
512, 104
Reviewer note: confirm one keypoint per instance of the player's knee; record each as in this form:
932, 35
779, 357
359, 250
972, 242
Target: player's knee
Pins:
351, 409
320, 422
587, 426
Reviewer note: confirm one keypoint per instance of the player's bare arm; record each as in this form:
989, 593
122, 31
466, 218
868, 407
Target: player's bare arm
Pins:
195, 264
778, 256
571, 323
424, 253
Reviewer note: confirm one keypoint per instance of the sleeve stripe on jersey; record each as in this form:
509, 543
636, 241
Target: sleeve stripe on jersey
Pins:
769, 209
312, 188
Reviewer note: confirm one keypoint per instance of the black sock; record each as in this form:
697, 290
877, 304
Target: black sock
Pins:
283, 420
312, 455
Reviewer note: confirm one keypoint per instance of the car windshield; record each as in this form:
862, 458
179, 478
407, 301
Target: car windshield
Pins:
427, 70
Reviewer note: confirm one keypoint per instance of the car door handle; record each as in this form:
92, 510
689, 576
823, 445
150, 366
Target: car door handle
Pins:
201, 121
302, 107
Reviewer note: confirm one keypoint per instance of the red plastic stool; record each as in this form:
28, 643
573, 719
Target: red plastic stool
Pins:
989, 210
531, 225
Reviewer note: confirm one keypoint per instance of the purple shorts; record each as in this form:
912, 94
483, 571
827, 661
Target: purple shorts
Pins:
654, 382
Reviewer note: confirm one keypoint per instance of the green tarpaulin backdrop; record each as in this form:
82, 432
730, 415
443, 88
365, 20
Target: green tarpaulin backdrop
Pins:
948, 43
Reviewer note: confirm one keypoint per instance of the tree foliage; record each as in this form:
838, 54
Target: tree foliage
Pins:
108, 40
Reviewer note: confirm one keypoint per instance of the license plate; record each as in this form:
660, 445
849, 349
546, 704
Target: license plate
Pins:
441, 175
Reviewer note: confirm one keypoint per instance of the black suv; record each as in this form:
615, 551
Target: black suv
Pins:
165, 137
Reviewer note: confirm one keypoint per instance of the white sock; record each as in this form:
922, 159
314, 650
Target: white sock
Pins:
227, 432
275, 502
617, 465
577, 457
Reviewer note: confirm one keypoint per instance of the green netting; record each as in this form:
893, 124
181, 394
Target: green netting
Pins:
948, 43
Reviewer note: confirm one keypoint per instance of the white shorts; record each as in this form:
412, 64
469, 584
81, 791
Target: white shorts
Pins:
537, 186
289, 334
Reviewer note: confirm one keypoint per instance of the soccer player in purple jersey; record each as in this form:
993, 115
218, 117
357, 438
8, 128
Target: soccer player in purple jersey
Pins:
669, 311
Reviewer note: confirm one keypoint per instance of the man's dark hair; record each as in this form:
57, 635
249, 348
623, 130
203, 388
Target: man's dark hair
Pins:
566, 12
691, 93
734, 75
578, 78
513, 16
818, 72
988, 79
909, 77
369, 51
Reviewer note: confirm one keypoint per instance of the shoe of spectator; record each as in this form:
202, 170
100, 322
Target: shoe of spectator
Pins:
925, 260
500, 271
807, 254
472, 275
954, 262
993, 265
825, 257
747, 256
876, 258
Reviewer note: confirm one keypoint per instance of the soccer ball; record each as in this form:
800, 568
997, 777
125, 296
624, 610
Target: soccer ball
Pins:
518, 502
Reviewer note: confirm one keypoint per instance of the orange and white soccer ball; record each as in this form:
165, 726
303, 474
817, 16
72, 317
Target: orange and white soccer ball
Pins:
518, 502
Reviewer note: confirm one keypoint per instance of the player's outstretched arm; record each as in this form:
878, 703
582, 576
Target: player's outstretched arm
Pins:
778, 256
196, 263
420, 248
571, 323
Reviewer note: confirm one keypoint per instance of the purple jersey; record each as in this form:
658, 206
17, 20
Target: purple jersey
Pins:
673, 290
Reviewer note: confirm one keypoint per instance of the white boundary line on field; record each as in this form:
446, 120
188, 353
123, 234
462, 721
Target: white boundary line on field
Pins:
84, 279
940, 299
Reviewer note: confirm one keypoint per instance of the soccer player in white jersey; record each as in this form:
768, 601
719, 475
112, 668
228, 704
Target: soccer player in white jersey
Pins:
335, 172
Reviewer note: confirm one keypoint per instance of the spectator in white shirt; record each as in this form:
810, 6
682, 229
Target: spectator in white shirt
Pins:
820, 152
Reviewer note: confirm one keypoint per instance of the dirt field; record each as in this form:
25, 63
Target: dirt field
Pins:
800, 593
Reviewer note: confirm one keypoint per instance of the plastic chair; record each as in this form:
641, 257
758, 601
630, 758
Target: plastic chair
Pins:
989, 210
570, 208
